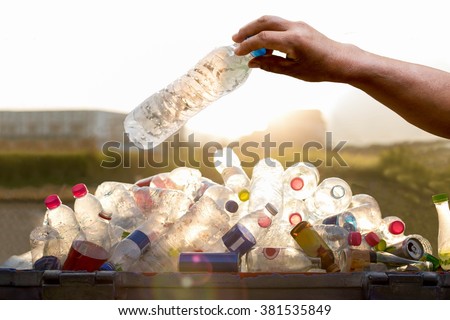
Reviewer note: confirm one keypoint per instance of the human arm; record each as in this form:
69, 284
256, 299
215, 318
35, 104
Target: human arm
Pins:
418, 93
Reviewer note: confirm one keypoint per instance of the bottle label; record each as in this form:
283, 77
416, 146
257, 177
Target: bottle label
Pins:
139, 238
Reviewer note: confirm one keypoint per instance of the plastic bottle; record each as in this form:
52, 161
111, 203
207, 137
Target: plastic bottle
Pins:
345, 220
441, 203
198, 229
300, 180
130, 249
46, 251
368, 216
332, 196
91, 248
266, 185
294, 211
162, 205
86, 206
228, 164
227, 200
63, 220
276, 259
246, 232
392, 229
338, 238
314, 246
166, 111
118, 199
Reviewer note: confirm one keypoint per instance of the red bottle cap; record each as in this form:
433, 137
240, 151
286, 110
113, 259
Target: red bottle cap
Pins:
354, 238
295, 218
79, 190
396, 227
52, 201
297, 184
372, 239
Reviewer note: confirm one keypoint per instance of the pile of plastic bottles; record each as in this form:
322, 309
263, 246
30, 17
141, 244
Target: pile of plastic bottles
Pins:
280, 220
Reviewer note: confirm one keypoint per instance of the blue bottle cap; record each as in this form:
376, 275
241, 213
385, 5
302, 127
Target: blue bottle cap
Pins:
140, 238
259, 52
47, 263
107, 266
208, 262
331, 220
239, 239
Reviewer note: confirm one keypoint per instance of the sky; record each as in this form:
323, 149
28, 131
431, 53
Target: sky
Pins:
112, 55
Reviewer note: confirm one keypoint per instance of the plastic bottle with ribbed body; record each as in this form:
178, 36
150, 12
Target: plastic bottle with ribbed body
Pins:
165, 112
228, 164
266, 185
63, 220
332, 196
441, 203
368, 216
314, 245
300, 180
280, 259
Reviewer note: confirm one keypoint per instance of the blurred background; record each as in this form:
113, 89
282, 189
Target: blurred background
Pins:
71, 71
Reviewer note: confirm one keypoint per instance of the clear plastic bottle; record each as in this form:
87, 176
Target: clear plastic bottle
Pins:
441, 203
130, 249
392, 229
86, 206
314, 245
227, 200
228, 164
338, 238
166, 111
198, 229
300, 180
45, 248
266, 185
91, 248
279, 259
345, 220
332, 196
162, 205
368, 216
294, 211
63, 220
247, 232
118, 199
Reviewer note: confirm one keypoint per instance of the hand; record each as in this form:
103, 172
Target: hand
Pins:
310, 55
